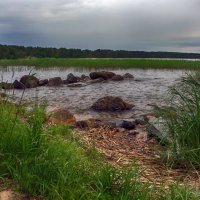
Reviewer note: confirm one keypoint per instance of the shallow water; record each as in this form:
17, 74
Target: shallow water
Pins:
149, 87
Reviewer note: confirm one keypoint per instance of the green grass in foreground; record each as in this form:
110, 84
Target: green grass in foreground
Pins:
104, 63
52, 163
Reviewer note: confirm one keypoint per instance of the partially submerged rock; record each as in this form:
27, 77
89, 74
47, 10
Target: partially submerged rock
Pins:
29, 81
43, 82
70, 79
117, 78
18, 85
6, 86
76, 85
128, 75
98, 80
84, 77
103, 74
110, 103
56, 81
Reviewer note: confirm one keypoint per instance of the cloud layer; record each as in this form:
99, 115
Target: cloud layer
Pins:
153, 25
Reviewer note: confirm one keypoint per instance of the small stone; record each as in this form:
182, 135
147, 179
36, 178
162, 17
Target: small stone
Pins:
43, 82
117, 78
128, 125
82, 124
56, 81
128, 75
70, 79
140, 122
133, 133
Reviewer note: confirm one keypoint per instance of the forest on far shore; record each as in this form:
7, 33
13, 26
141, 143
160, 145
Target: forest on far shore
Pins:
15, 52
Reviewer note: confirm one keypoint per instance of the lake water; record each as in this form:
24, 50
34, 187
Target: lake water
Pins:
148, 87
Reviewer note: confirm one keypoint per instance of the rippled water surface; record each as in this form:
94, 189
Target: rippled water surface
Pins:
148, 87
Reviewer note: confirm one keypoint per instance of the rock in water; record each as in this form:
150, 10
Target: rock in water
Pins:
98, 80
56, 81
110, 103
128, 75
103, 74
18, 85
43, 82
117, 78
6, 86
71, 79
29, 81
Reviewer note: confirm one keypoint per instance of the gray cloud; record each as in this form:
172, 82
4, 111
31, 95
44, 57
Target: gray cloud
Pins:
157, 25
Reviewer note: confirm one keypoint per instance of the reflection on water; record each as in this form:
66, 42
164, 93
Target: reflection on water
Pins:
148, 87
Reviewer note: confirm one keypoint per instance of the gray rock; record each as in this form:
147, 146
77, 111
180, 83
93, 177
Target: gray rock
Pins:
140, 122
71, 79
76, 85
128, 75
43, 82
98, 80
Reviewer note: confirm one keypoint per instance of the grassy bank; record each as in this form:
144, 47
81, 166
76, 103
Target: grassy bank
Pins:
104, 63
181, 122
52, 163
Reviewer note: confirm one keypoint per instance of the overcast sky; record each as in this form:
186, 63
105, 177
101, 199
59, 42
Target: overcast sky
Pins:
152, 25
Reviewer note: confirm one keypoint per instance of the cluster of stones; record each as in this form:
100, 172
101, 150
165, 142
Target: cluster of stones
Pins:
30, 81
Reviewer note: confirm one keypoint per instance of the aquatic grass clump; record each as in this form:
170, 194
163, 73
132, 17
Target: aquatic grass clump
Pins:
182, 121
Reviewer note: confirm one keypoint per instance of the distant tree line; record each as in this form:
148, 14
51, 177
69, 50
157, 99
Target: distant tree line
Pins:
14, 52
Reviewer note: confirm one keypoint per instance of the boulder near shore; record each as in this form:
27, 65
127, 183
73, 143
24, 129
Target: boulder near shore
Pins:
110, 103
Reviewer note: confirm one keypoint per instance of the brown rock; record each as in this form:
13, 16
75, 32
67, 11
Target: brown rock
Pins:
62, 116
110, 103
29, 81
6, 86
56, 81
89, 123
117, 78
103, 74
3, 95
